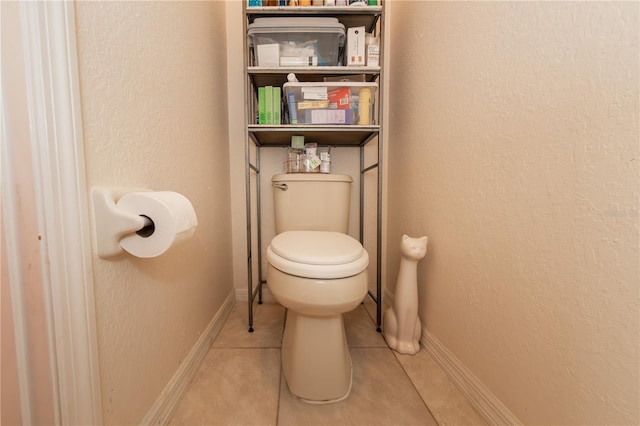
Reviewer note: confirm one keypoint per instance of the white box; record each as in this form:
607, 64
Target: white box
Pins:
298, 61
316, 93
373, 55
355, 46
269, 55
329, 116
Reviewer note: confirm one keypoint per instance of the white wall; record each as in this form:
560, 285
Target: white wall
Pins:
154, 98
514, 147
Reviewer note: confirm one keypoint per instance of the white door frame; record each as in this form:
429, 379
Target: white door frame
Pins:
62, 207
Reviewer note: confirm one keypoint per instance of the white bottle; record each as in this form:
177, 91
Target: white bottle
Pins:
325, 165
364, 106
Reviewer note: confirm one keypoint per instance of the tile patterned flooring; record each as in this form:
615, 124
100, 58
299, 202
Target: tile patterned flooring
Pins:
240, 380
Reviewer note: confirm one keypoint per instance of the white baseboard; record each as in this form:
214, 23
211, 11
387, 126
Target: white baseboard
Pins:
492, 410
242, 295
161, 411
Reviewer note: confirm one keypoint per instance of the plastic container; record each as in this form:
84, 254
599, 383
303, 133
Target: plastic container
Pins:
332, 103
301, 41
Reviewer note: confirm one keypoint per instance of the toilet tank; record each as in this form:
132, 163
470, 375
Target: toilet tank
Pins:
311, 202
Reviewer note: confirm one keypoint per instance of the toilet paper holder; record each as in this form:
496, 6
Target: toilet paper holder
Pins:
111, 223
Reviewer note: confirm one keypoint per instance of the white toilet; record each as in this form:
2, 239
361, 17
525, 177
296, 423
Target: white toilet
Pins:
317, 272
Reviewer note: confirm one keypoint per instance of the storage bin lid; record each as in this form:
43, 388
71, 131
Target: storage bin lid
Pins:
317, 254
281, 25
292, 85
298, 24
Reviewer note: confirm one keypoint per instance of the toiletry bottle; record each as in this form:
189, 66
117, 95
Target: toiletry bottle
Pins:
364, 106
325, 165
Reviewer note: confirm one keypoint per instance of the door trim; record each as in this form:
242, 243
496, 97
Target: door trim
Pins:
55, 117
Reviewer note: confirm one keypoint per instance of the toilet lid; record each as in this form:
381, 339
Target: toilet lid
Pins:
317, 254
317, 247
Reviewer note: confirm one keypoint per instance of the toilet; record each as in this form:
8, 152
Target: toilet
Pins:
317, 272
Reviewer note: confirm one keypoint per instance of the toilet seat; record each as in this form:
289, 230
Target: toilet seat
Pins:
317, 254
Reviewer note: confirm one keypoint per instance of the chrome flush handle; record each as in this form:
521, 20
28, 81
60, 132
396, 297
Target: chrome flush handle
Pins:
282, 186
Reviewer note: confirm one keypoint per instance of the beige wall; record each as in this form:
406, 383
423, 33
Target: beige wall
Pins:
154, 99
514, 147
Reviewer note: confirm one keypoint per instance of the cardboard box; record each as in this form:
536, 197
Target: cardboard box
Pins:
329, 116
356, 46
373, 55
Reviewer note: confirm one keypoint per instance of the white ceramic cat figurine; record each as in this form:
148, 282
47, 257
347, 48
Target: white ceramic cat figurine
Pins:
401, 324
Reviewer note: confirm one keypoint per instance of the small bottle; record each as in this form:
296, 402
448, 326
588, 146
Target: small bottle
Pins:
325, 165
364, 106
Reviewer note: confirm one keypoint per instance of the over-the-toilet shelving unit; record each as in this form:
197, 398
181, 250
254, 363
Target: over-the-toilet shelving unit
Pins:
262, 136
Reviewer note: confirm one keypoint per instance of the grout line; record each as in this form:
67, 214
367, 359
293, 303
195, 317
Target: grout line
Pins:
244, 347
279, 389
395, 355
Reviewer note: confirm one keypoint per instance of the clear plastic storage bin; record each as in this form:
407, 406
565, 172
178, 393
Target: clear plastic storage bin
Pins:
331, 103
297, 41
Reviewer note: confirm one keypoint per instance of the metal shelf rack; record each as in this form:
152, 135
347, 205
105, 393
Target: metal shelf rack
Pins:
262, 136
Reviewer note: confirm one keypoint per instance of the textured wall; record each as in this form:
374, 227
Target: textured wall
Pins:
514, 146
154, 95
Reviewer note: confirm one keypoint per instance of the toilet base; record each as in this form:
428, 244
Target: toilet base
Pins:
315, 358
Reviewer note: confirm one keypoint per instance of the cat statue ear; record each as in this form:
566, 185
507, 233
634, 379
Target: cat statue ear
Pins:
422, 239
401, 325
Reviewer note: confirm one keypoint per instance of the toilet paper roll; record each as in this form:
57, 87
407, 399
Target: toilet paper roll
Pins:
174, 220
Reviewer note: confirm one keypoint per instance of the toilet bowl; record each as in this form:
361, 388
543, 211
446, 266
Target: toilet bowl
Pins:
317, 276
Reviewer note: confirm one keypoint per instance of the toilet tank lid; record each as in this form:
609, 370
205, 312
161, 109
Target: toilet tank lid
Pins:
317, 247
311, 177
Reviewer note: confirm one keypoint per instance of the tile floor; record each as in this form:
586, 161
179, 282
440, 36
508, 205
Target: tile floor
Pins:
240, 380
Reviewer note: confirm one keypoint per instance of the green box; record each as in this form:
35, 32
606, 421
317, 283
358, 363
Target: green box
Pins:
261, 106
